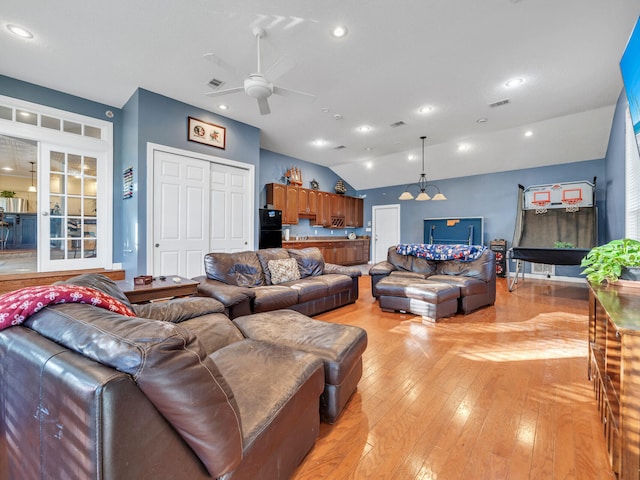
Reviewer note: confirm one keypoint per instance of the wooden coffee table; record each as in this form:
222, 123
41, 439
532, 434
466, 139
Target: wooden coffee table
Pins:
170, 287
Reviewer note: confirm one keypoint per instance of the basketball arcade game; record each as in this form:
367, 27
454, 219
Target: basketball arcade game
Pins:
556, 224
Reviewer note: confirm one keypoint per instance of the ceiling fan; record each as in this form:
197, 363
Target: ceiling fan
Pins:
258, 85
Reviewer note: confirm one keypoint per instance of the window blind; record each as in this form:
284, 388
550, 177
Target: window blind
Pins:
632, 183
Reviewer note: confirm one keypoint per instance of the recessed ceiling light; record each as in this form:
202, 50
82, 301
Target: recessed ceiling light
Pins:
368, 149
482, 120
425, 109
364, 128
7, 169
463, 147
369, 165
324, 110
514, 82
222, 106
337, 116
20, 31
411, 158
528, 133
319, 142
340, 31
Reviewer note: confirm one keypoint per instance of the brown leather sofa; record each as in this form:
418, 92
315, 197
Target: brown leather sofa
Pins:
87, 393
434, 288
243, 282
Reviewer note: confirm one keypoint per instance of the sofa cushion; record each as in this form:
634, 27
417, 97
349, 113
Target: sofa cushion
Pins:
403, 273
273, 297
424, 290
310, 261
468, 285
266, 376
284, 270
242, 268
168, 364
214, 331
309, 288
179, 309
483, 268
266, 254
99, 282
336, 283
410, 263
338, 345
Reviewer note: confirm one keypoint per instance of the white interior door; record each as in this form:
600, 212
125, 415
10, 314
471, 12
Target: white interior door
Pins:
180, 216
385, 230
72, 189
231, 207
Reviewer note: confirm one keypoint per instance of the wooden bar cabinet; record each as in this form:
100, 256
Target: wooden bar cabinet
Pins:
614, 368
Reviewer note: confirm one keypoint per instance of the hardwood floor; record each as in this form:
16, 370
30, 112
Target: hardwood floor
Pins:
501, 393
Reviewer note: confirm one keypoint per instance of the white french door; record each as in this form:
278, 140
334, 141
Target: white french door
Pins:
70, 198
73, 210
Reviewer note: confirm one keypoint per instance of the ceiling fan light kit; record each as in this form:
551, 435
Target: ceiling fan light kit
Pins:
422, 185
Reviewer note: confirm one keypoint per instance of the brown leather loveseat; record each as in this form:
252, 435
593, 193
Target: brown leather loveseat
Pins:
92, 394
245, 282
434, 288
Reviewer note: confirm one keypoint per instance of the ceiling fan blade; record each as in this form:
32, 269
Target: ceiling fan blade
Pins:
263, 105
279, 68
287, 92
226, 91
224, 65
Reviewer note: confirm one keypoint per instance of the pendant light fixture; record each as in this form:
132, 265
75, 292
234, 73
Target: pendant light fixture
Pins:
32, 188
422, 185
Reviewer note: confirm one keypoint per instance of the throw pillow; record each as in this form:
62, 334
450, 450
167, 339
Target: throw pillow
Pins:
284, 270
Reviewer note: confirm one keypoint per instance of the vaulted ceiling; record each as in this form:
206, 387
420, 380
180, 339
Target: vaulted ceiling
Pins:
454, 57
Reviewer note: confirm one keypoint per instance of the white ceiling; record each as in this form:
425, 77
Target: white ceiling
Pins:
398, 56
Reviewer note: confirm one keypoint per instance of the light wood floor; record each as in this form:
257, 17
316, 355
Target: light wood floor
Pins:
501, 393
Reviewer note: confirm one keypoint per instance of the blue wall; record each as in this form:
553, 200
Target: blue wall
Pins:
154, 118
492, 196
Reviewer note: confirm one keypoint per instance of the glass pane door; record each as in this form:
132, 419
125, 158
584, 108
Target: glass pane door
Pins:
69, 214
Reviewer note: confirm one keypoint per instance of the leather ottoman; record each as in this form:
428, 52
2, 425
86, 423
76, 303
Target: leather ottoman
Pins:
339, 346
432, 300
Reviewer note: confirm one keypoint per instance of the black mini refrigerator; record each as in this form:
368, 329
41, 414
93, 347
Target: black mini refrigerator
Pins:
270, 228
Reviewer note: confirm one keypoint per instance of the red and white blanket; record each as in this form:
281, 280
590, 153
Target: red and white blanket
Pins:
17, 306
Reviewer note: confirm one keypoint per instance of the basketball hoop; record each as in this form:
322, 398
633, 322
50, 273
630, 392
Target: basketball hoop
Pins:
541, 206
571, 198
571, 204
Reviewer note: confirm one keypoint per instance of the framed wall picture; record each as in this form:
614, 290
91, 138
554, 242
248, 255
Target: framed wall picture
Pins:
207, 133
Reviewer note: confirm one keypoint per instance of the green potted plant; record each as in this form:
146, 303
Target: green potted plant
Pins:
612, 261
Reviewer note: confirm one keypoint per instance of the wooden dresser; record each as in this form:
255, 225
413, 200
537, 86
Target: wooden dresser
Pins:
614, 368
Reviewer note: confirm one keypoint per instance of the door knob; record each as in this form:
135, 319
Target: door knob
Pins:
157, 245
